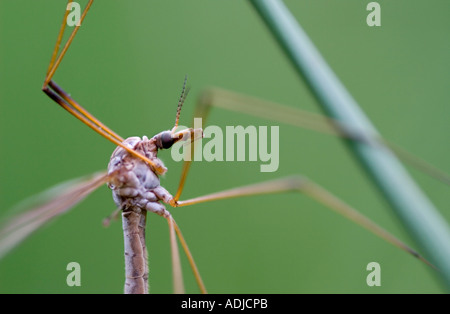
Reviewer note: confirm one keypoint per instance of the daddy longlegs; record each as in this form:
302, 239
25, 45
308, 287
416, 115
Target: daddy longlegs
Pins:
136, 155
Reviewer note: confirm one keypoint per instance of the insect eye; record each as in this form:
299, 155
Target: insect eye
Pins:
166, 140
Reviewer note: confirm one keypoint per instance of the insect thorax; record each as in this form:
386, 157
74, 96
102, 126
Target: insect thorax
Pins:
134, 183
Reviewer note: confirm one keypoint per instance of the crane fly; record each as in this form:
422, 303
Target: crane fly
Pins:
133, 175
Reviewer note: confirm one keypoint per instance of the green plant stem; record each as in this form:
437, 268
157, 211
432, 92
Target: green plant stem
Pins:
416, 212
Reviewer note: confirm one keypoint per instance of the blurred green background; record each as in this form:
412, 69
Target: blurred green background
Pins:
126, 66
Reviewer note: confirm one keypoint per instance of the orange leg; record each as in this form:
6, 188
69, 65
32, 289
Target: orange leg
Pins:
63, 99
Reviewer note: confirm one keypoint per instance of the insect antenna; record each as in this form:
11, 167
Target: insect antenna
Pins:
184, 93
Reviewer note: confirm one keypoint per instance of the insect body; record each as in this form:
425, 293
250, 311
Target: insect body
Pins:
136, 190
134, 183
